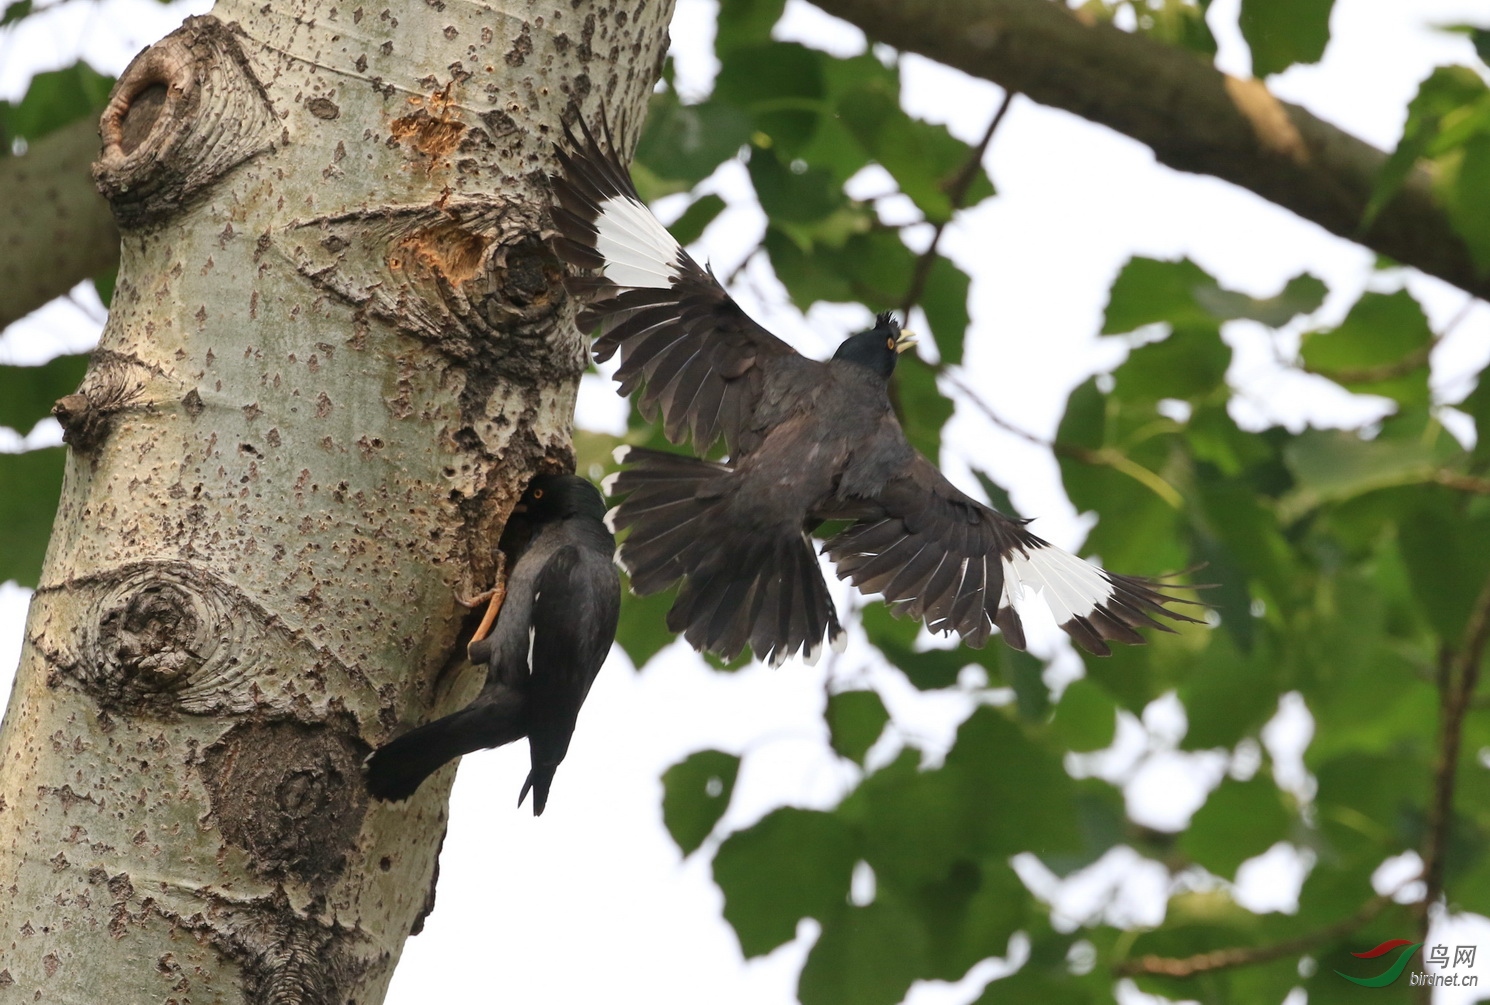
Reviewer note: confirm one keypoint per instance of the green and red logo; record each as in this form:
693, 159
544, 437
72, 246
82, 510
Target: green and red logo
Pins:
1392, 972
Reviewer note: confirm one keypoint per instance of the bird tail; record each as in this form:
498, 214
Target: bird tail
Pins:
742, 582
540, 777
397, 768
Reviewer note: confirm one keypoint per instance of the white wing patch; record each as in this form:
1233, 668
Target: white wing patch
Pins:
1069, 586
532, 635
638, 251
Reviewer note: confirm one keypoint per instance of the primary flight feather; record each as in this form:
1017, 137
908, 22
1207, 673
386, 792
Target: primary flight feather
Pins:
808, 441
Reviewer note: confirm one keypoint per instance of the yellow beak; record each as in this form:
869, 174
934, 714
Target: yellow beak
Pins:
905, 341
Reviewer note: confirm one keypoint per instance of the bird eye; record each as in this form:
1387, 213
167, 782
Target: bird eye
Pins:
889, 343
537, 493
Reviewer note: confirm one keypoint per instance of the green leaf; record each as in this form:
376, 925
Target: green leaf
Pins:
1138, 532
1303, 294
1228, 696
793, 864
923, 158
1382, 330
1026, 675
855, 721
27, 393
792, 193
1371, 805
834, 261
865, 956
1239, 821
642, 631
745, 22
1463, 179
1191, 363
780, 85
1017, 790
30, 484
695, 794
56, 98
1479, 37
1446, 549
1477, 407
683, 144
1446, 90
1281, 33
690, 226
14, 11
930, 670
1330, 465
969, 915
924, 409
1148, 291
916, 824
944, 300
1101, 821
1086, 718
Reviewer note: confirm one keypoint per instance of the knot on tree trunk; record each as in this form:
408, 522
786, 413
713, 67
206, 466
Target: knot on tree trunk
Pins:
184, 112
172, 637
473, 275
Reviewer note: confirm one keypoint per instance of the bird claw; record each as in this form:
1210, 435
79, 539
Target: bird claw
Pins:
493, 599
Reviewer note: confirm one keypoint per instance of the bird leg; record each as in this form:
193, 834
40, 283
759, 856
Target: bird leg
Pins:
493, 599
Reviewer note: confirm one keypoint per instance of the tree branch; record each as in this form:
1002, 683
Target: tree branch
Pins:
1459, 673
1464, 483
1105, 457
55, 229
956, 193
1223, 959
1191, 115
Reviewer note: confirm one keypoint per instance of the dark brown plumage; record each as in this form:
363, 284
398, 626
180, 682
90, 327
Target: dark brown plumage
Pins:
808, 442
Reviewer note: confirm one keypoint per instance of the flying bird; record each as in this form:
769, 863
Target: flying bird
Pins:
808, 442
556, 618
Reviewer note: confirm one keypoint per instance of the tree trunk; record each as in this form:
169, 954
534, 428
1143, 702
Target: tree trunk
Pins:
338, 347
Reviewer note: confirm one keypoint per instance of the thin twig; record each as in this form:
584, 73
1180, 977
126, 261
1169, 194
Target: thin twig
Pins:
1464, 483
734, 273
956, 191
1106, 457
1240, 956
1459, 673
1415, 360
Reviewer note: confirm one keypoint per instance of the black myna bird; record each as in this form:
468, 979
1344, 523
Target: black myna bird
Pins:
809, 442
554, 628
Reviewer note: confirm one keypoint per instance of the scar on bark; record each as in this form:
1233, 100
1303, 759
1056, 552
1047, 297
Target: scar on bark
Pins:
185, 112
288, 794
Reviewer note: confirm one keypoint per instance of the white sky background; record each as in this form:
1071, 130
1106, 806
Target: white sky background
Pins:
591, 902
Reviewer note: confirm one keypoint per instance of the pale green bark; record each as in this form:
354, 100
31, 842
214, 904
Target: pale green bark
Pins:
338, 346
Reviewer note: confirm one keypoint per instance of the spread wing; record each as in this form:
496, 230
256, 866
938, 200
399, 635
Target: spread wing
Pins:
694, 353
939, 555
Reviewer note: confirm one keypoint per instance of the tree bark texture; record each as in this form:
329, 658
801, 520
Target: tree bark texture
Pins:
1194, 117
54, 229
338, 347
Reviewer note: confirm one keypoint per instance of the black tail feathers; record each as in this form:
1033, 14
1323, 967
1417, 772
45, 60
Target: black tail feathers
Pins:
756, 585
540, 778
397, 768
